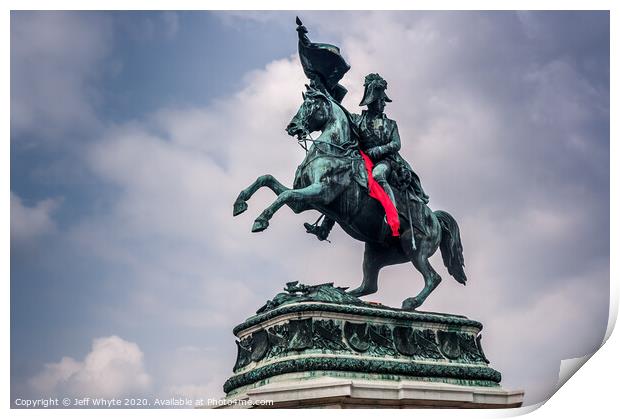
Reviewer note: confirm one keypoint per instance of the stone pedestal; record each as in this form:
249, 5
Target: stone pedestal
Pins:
343, 393
300, 352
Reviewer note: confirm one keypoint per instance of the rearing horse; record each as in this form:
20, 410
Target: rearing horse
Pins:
331, 180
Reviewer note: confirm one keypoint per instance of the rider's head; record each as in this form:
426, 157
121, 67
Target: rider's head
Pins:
374, 93
377, 106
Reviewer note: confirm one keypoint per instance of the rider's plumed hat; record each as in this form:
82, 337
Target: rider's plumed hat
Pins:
374, 89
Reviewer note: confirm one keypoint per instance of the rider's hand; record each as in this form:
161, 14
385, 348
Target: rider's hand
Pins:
374, 153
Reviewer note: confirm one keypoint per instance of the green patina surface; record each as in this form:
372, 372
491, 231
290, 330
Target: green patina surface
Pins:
365, 310
476, 375
316, 335
297, 332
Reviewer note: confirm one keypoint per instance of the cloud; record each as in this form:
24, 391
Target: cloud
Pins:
150, 26
178, 174
28, 223
113, 368
197, 373
56, 59
59, 61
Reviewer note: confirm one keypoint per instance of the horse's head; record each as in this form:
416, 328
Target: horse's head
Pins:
313, 114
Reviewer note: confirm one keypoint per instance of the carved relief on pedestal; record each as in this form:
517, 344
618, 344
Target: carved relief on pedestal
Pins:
328, 335
356, 335
347, 337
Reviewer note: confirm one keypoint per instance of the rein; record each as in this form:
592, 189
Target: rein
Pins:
304, 138
346, 154
346, 150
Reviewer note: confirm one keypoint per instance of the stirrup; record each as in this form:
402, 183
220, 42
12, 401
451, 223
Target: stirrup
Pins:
316, 230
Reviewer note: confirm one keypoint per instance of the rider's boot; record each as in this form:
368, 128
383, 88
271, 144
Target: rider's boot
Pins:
320, 231
387, 230
388, 189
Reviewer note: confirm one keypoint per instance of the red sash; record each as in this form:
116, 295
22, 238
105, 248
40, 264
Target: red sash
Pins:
377, 192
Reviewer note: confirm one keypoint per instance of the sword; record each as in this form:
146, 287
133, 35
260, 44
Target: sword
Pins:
410, 221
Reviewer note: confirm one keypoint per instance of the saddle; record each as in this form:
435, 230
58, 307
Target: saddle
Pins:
409, 204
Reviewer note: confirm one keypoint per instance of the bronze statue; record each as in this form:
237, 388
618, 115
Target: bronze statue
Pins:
333, 180
379, 139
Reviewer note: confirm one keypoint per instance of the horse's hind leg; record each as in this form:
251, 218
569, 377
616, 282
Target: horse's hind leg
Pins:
419, 258
375, 258
431, 280
269, 181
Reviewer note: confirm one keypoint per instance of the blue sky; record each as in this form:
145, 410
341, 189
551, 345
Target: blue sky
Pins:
133, 132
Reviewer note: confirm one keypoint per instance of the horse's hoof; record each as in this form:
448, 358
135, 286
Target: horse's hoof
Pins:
239, 207
411, 303
357, 292
361, 291
259, 225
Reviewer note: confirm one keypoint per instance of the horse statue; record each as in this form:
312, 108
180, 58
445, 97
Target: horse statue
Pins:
332, 180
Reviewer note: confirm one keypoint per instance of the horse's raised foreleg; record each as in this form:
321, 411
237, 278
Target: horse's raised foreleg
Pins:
268, 181
317, 194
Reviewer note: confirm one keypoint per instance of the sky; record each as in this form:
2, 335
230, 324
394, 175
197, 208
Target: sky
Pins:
133, 132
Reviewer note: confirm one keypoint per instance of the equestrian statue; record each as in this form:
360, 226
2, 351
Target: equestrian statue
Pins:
354, 175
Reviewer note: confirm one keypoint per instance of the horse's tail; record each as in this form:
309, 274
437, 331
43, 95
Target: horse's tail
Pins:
451, 247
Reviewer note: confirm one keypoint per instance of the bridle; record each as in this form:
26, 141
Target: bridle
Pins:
304, 137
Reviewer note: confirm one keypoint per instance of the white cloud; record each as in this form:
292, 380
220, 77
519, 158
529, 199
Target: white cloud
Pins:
196, 373
113, 368
178, 174
28, 223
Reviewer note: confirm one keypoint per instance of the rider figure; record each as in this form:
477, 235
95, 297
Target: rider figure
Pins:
379, 139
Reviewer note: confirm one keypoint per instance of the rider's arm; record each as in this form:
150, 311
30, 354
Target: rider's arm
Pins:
393, 146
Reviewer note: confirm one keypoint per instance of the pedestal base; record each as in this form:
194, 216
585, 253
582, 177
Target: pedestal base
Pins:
317, 346
342, 393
